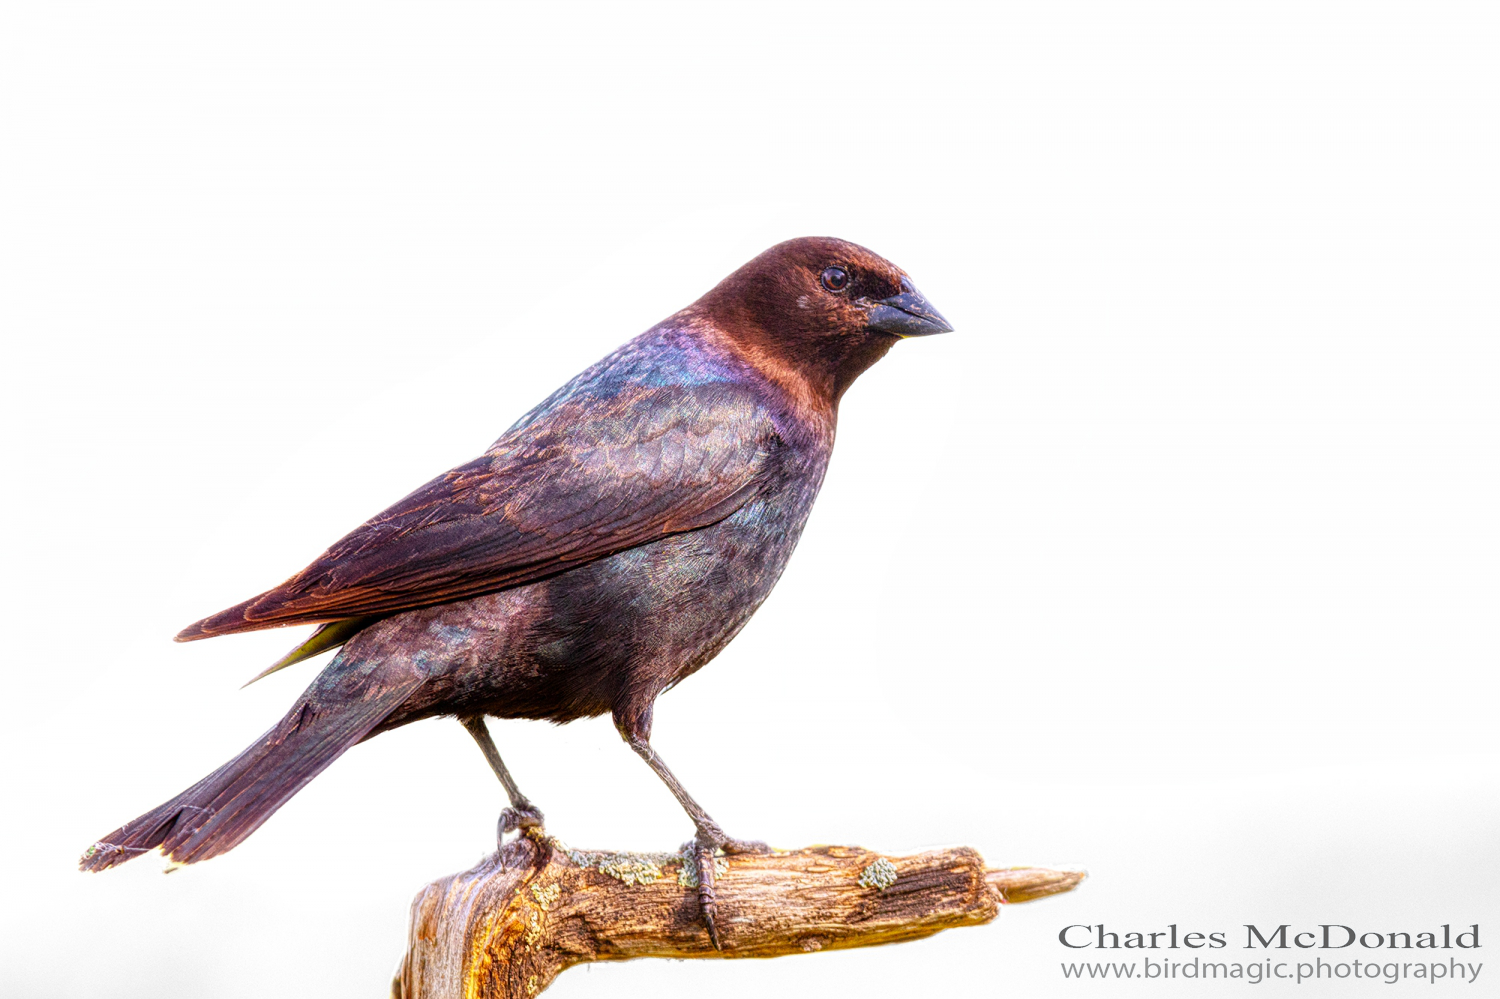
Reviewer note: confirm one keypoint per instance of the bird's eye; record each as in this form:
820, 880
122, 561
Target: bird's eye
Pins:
835, 278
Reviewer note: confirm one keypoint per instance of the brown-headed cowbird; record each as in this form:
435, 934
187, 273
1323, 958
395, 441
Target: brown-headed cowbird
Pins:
602, 550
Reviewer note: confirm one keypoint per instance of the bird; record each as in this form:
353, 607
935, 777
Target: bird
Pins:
603, 549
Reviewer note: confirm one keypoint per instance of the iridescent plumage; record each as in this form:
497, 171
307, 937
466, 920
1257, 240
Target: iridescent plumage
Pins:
608, 545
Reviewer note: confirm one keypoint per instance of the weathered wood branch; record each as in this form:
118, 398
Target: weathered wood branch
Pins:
509, 926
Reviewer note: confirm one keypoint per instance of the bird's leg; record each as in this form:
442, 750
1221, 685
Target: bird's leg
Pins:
521, 814
710, 838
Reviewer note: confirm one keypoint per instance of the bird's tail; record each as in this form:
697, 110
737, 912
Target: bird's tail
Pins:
219, 811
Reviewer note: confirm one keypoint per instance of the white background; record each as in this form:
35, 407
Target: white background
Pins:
1178, 561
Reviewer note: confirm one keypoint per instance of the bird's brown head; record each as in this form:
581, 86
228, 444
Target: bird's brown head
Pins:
819, 310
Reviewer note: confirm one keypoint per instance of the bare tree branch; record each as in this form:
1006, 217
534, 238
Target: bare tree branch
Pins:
509, 926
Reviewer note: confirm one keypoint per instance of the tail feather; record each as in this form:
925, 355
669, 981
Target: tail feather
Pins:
217, 813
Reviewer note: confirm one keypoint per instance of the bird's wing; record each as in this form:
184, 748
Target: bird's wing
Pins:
588, 477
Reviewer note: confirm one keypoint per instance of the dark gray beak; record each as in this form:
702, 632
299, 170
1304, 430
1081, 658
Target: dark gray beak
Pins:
907, 314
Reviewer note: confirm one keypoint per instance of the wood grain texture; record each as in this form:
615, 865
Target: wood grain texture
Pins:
509, 926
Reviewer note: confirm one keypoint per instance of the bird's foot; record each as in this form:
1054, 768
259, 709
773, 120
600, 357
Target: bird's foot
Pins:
703, 849
523, 816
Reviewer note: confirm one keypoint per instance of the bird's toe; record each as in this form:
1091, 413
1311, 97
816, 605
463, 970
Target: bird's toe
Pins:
744, 846
527, 816
703, 853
